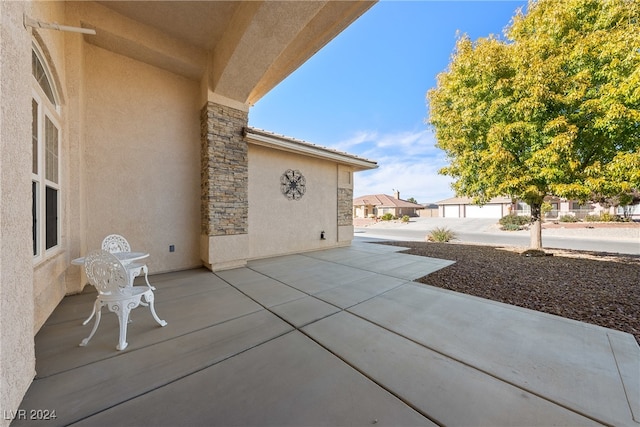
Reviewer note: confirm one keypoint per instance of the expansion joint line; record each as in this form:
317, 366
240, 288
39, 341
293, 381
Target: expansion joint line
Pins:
624, 387
449, 356
347, 362
180, 377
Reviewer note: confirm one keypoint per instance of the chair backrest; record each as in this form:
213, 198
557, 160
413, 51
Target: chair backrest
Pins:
115, 243
105, 272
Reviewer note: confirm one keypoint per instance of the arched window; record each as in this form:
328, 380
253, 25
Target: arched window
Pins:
45, 184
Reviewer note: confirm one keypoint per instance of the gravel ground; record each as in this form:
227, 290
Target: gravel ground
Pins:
598, 288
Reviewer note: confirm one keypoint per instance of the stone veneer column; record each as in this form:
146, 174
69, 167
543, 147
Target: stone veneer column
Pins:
224, 184
345, 204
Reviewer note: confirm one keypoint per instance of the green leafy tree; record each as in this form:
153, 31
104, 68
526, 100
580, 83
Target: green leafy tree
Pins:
412, 200
551, 109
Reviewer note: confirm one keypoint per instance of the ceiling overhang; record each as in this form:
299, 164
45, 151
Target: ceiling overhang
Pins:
240, 49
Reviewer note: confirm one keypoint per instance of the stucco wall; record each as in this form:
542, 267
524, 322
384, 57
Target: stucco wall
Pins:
278, 225
17, 360
72, 160
49, 269
142, 158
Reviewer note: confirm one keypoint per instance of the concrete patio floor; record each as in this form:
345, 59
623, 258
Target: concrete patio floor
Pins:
334, 337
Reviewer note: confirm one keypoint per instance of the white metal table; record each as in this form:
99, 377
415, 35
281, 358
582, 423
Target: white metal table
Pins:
124, 257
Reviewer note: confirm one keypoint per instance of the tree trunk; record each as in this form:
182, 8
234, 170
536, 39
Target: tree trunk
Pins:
536, 226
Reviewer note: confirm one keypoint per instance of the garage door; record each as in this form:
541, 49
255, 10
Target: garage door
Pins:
486, 211
451, 211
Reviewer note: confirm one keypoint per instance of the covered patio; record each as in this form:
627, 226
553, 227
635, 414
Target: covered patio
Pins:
333, 337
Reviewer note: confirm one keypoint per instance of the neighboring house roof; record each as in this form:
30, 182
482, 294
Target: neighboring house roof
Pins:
469, 201
285, 143
384, 201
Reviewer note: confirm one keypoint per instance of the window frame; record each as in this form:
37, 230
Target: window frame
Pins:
46, 111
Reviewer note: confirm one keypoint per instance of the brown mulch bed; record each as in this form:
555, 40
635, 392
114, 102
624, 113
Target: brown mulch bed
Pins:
598, 288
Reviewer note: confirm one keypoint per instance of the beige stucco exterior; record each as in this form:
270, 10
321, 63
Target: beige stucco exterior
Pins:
130, 147
278, 225
142, 158
298, 223
17, 360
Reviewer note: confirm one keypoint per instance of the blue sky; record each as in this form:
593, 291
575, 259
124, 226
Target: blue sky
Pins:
364, 92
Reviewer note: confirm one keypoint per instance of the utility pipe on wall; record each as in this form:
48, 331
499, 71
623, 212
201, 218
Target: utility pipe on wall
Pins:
30, 22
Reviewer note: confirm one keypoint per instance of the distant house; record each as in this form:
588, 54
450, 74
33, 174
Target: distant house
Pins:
560, 207
630, 211
563, 207
463, 207
430, 210
376, 205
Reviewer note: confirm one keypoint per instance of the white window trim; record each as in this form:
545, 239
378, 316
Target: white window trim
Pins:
46, 110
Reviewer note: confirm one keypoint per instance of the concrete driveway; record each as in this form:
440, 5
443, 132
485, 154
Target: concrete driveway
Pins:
335, 337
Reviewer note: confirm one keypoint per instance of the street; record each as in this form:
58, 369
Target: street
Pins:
485, 231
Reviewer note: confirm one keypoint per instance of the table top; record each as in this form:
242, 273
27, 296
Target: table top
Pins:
123, 257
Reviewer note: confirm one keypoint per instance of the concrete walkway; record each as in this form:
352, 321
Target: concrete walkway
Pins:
335, 337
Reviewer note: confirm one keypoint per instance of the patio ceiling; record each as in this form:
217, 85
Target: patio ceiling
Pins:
243, 48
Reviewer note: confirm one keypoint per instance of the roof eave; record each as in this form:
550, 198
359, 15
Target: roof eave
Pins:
267, 139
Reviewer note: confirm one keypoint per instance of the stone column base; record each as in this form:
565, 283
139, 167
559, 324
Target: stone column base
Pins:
345, 234
224, 252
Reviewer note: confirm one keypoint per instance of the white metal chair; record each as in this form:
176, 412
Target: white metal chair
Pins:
111, 279
116, 243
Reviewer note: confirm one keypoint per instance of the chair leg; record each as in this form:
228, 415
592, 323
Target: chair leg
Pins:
93, 313
146, 278
123, 320
150, 298
97, 308
132, 276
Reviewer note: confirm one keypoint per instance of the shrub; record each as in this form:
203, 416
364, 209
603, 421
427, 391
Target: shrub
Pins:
511, 227
592, 218
513, 222
440, 234
405, 218
387, 217
568, 218
607, 217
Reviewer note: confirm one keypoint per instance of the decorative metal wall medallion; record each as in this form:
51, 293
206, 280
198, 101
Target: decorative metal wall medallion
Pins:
293, 184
